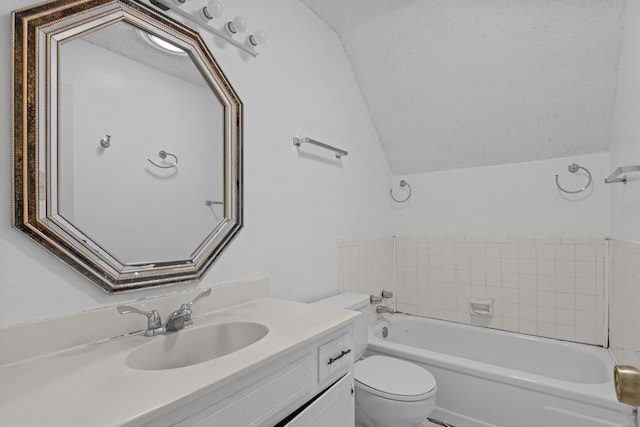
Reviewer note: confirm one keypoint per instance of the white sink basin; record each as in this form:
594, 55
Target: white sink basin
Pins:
192, 346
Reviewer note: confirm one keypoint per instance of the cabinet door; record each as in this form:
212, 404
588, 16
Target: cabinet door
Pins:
335, 407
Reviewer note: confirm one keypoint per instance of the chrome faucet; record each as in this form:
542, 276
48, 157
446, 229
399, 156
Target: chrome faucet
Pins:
176, 321
154, 323
384, 309
182, 316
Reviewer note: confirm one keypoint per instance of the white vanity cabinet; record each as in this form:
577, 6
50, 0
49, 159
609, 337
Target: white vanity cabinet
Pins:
311, 387
334, 407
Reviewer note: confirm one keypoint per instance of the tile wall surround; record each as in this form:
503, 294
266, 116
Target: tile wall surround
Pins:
366, 266
624, 300
546, 286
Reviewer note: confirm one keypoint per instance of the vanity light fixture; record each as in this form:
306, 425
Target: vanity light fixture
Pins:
257, 38
238, 25
161, 44
204, 16
213, 9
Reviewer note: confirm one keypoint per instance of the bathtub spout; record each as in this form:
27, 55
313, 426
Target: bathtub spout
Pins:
384, 309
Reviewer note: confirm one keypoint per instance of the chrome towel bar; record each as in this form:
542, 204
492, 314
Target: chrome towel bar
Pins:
615, 176
299, 141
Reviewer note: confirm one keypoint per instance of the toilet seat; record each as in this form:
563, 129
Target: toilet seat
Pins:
394, 379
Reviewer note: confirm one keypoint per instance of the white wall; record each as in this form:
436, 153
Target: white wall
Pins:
513, 199
625, 145
296, 206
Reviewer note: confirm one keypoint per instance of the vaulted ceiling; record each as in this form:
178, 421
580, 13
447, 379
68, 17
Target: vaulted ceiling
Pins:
462, 83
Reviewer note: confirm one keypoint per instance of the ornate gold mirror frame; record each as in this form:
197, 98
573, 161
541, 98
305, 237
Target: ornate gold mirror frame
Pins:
38, 33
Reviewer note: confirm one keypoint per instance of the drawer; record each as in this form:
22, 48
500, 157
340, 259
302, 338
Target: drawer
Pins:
335, 358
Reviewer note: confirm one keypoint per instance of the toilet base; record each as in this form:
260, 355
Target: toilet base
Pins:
374, 411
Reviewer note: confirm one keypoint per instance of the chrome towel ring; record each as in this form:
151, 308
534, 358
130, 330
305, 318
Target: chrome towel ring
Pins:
573, 168
163, 155
403, 183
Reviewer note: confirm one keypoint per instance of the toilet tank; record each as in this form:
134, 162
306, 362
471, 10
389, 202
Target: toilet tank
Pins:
355, 302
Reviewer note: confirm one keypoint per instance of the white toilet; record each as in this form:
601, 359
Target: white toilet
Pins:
389, 392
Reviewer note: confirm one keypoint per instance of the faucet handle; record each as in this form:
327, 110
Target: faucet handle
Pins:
187, 306
154, 322
202, 294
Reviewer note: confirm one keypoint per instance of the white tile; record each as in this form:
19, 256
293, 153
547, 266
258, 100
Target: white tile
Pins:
546, 283
528, 327
565, 301
586, 269
586, 285
510, 310
463, 276
585, 252
527, 312
545, 252
462, 249
527, 281
449, 262
493, 264
477, 250
510, 324
493, 250
509, 250
565, 332
565, 268
526, 266
546, 299
477, 264
586, 303
494, 278
546, 314
528, 296
509, 265
462, 263
510, 295
565, 284
546, 329
478, 278
463, 291
565, 252
448, 249
527, 251
586, 335
586, 319
478, 291
565, 317
509, 280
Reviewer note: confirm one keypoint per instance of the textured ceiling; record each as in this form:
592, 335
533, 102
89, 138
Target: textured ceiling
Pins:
462, 83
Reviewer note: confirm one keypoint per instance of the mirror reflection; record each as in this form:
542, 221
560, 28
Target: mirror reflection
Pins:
116, 85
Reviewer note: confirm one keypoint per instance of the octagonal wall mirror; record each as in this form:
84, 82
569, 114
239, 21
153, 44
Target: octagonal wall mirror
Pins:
127, 143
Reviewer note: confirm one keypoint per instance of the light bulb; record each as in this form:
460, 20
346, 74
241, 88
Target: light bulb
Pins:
259, 37
238, 25
213, 9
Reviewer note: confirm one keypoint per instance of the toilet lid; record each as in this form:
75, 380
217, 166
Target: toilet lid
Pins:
395, 378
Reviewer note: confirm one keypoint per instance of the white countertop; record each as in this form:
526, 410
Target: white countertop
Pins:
90, 385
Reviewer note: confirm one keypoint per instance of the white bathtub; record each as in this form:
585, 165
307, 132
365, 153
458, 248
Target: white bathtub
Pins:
488, 377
